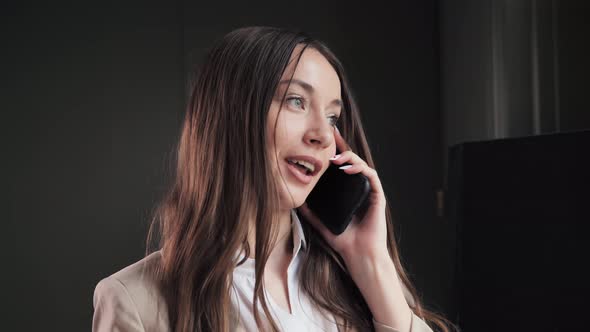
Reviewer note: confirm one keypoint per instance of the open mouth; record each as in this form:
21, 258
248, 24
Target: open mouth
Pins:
301, 168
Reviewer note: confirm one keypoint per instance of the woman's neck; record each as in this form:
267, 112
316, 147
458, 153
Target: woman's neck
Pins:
284, 243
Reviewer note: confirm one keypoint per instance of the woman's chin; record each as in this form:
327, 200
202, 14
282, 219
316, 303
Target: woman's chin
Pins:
295, 200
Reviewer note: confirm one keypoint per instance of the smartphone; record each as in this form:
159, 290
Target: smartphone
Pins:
338, 196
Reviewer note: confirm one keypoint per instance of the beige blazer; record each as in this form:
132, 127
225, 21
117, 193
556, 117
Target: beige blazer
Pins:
128, 300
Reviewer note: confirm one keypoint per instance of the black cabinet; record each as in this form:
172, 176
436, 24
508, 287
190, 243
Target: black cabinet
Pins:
522, 211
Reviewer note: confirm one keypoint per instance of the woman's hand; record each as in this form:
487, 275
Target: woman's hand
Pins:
365, 238
363, 246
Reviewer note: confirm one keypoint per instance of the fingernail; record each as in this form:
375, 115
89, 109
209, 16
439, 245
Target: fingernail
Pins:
345, 167
335, 157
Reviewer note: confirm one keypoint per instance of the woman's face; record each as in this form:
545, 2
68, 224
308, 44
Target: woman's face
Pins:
305, 124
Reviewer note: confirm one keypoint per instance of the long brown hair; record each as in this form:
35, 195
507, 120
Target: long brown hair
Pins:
223, 179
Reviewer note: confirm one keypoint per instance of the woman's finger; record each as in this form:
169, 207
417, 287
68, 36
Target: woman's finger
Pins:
340, 142
371, 174
359, 166
349, 157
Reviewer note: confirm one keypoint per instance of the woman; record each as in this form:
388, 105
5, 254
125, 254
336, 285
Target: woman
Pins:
229, 235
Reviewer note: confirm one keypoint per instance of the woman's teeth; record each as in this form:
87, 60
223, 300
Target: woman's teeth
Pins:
305, 166
309, 166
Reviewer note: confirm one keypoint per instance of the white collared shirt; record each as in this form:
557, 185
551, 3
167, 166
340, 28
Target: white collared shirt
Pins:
126, 300
304, 316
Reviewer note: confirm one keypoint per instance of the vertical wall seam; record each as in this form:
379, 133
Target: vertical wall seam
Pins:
535, 95
497, 72
554, 37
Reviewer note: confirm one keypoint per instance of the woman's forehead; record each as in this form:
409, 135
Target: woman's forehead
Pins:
315, 71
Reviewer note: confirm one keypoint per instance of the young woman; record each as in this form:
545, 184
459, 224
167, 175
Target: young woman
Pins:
233, 253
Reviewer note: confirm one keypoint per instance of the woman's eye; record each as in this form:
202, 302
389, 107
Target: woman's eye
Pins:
299, 101
334, 120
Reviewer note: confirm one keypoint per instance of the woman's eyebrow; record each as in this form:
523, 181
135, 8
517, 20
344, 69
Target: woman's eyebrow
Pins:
309, 89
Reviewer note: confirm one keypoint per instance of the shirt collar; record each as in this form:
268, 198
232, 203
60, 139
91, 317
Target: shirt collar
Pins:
298, 236
299, 242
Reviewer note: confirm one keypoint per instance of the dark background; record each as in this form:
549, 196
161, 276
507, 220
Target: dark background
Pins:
93, 96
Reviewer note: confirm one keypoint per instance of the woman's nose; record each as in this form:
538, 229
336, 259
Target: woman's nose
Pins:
320, 133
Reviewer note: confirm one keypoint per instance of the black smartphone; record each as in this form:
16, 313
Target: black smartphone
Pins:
338, 196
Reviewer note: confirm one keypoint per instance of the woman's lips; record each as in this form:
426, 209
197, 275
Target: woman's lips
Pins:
299, 174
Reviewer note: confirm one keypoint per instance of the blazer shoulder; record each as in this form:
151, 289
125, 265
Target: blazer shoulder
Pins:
130, 299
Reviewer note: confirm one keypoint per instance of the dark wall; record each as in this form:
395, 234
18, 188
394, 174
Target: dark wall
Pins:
93, 109
574, 68
94, 103
510, 69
